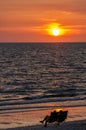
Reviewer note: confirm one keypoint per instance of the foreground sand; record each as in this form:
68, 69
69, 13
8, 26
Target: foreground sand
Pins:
77, 125
29, 120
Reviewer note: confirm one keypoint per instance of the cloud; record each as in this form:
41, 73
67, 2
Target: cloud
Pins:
78, 6
62, 5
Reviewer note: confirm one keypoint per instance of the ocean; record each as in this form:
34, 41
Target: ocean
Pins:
42, 75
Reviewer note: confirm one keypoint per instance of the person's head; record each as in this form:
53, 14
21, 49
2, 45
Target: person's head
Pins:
60, 111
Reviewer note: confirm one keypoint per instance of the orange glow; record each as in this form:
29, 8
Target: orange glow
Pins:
58, 109
42, 21
54, 29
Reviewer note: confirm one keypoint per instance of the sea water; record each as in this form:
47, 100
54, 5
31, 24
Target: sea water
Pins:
42, 75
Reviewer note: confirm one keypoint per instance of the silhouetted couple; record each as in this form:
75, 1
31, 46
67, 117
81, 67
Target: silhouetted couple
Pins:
55, 117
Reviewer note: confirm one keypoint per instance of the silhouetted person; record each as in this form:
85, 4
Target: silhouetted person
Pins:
62, 116
51, 118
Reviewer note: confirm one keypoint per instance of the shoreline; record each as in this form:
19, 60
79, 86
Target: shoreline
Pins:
20, 120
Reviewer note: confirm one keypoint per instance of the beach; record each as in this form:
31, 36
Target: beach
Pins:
80, 125
30, 120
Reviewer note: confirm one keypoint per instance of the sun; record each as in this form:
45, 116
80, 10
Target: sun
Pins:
54, 29
55, 32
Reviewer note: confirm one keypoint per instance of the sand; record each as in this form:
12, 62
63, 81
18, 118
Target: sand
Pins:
76, 125
29, 120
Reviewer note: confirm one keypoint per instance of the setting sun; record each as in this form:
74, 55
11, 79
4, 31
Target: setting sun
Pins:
55, 32
55, 29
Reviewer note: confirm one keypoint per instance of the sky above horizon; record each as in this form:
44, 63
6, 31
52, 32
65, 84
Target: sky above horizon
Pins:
30, 21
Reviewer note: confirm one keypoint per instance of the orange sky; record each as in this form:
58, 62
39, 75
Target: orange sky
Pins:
26, 20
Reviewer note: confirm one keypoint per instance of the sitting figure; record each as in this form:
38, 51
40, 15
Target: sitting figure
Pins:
62, 115
55, 117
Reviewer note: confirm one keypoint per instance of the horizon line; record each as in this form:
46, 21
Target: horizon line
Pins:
44, 42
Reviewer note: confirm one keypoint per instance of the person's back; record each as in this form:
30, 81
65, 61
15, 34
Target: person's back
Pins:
53, 116
62, 116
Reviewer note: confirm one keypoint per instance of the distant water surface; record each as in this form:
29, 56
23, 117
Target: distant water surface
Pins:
41, 75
